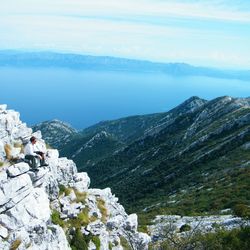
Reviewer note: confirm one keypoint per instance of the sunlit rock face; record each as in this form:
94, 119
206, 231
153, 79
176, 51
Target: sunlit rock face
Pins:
52, 207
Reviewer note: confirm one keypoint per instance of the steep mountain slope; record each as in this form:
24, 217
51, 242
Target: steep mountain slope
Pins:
108, 137
88, 150
56, 133
197, 161
193, 159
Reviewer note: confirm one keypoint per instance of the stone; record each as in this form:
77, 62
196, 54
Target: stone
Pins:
18, 169
2, 151
131, 223
115, 222
15, 190
82, 182
32, 211
3, 107
27, 199
3, 232
96, 227
3, 177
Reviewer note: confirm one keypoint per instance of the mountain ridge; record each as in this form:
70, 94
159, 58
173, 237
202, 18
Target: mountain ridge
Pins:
193, 145
88, 62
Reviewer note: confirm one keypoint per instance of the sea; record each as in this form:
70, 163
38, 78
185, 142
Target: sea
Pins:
83, 98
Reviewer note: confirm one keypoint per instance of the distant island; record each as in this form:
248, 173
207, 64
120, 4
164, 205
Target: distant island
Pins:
12, 58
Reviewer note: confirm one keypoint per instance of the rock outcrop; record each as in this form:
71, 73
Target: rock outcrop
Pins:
53, 208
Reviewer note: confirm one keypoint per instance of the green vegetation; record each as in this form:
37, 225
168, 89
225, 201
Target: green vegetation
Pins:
185, 228
96, 241
81, 196
242, 210
55, 218
64, 190
1, 163
125, 244
15, 244
78, 241
219, 240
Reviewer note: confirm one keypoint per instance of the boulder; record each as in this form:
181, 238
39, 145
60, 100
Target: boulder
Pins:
3, 107
18, 169
3, 232
131, 223
81, 182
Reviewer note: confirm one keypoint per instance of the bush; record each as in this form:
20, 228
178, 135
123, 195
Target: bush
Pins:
185, 228
78, 241
242, 210
97, 242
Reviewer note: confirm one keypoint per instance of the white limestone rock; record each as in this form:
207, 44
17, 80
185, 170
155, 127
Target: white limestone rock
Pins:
3, 107
15, 190
131, 223
27, 198
32, 211
3, 232
3, 177
81, 182
18, 169
2, 151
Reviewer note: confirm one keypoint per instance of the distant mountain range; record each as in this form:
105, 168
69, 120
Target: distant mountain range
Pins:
194, 159
86, 62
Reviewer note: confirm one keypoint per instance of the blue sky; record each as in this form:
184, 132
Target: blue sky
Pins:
211, 33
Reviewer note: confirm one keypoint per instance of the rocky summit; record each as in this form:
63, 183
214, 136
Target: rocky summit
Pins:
53, 208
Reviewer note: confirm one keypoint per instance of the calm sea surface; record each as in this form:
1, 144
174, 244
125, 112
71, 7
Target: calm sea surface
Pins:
83, 98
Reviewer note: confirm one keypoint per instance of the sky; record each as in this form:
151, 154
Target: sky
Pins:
214, 33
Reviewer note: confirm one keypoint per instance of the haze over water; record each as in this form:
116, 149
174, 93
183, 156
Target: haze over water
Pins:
83, 98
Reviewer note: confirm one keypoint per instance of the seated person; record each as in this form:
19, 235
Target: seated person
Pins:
31, 153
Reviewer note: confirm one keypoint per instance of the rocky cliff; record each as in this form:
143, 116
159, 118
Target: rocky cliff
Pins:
53, 208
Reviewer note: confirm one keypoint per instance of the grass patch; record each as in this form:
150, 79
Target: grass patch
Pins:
55, 218
64, 190
81, 220
15, 244
81, 196
96, 241
7, 149
101, 206
1, 163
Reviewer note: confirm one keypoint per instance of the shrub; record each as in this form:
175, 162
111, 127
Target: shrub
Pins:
185, 228
78, 241
61, 189
242, 210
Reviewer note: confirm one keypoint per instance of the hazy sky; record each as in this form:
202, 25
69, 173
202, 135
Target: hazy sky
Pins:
203, 32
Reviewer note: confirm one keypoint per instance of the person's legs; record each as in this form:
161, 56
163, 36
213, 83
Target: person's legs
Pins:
42, 161
32, 159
